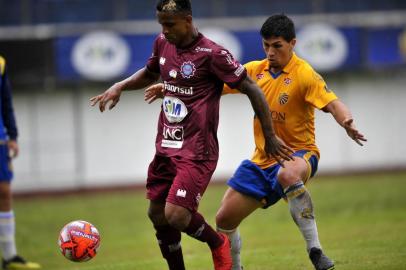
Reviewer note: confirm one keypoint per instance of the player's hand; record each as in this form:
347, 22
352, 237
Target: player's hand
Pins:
112, 94
277, 148
353, 132
154, 92
13, 148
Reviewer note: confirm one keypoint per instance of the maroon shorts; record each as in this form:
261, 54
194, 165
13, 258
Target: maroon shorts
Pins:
179, 181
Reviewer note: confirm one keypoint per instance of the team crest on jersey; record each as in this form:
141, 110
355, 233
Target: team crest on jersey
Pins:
287, 81
283, 98
260, 76
187, 70
162, 60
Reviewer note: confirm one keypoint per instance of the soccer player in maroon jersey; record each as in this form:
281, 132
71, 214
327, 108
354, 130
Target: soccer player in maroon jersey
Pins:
193, 70
261, 182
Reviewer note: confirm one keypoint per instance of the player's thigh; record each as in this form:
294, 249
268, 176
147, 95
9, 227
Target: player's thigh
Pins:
161, 173
235, 207
190, 183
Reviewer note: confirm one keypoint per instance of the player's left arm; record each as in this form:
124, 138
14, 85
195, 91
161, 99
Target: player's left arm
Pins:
8, 115
343, 116
154, 92
273, 145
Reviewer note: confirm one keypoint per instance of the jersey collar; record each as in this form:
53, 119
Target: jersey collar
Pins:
289, 67
191, 45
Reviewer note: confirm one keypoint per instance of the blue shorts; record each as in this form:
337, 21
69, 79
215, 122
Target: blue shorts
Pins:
262, 184
6, 173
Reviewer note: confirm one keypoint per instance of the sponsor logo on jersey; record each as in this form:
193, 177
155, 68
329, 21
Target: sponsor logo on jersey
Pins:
229, 58
175, 110
260, 76
287, 81
200, 49
179, 90
278, 116
187, 70
181, 193
162, 61
172, 137
239, 70
283, 98
173, 73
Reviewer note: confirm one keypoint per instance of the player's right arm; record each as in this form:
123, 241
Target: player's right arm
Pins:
142, 78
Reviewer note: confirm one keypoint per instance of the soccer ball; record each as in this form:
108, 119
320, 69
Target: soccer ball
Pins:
79, 241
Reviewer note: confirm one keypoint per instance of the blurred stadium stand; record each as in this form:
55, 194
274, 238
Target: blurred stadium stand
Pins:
31, 12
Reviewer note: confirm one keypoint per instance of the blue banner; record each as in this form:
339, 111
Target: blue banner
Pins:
107, 56
386, 47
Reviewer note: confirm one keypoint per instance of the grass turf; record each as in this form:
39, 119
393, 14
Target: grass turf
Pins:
361, 223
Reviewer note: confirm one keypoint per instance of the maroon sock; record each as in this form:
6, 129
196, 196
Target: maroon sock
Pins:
200, 230
169, 243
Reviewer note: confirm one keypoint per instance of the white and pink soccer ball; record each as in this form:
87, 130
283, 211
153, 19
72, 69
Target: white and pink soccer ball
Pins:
79, 241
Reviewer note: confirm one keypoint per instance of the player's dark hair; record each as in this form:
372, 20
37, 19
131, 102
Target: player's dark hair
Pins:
176, 6
278, 25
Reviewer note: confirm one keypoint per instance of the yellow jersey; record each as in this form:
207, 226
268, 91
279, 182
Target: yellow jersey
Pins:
2, 65
292, 96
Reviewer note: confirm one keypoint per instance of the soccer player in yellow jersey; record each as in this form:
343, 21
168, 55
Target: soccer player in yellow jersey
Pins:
293, 91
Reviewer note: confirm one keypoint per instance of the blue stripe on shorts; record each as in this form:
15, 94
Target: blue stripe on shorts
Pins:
251, 180
6, 174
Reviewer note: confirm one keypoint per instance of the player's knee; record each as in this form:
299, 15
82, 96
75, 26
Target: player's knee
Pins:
157, 217
5, 197
287, 178
178, 218
224, 221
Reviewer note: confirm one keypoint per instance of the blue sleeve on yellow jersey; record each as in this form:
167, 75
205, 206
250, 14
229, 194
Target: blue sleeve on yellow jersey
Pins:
7, 110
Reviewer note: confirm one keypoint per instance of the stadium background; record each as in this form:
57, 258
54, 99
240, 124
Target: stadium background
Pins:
62, 52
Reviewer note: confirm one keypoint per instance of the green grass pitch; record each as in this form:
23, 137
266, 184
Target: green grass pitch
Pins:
361, 220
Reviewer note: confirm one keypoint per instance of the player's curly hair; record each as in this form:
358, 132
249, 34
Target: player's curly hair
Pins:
176, 6
278, 25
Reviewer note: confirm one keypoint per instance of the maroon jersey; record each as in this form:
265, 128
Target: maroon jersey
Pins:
193, 79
